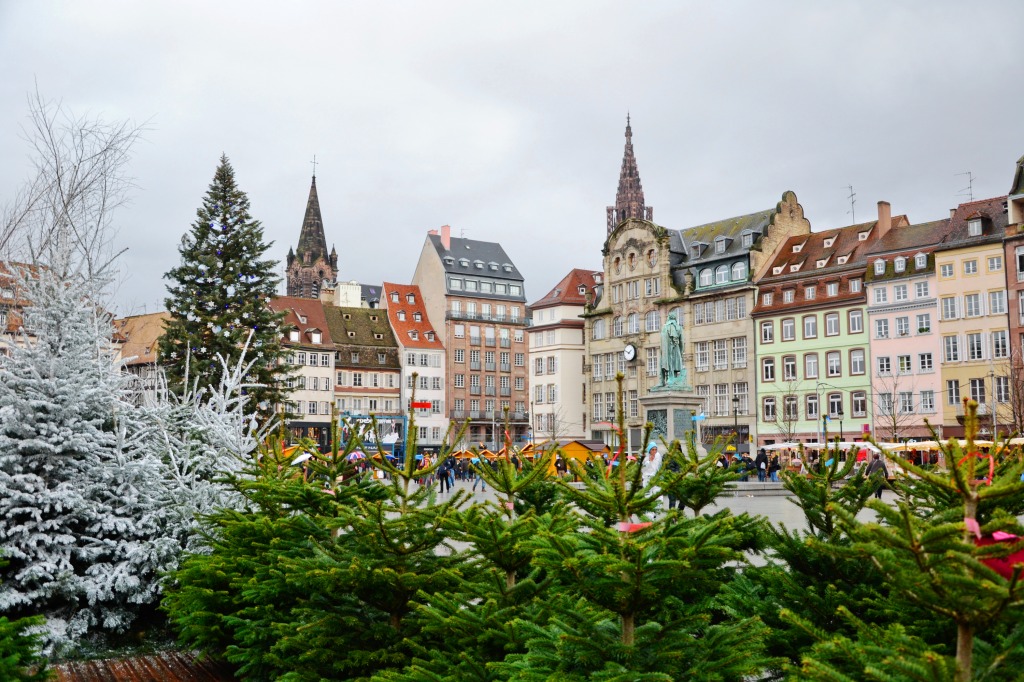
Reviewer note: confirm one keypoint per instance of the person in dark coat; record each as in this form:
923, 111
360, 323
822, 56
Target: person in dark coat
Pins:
761, 463
878, 464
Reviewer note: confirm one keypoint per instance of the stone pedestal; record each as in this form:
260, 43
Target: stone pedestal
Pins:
672, 414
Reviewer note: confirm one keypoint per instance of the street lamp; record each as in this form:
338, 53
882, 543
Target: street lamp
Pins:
839, 413
736, 420
995, 404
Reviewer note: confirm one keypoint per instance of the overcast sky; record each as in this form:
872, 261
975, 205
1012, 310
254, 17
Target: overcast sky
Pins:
506, 120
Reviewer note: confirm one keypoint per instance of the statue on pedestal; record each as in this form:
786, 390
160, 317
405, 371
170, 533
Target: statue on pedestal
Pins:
673, 373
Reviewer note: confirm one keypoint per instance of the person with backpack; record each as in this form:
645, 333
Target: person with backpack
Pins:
878, 464
761, 463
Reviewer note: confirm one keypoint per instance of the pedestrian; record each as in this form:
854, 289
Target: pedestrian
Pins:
674, 467
477, 478
773, 469
444, 483
877, 464
761, 464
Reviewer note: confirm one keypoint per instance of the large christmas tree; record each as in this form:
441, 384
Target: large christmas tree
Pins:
219, 295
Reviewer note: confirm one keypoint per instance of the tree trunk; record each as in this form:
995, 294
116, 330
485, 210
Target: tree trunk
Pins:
628, 628
964, 651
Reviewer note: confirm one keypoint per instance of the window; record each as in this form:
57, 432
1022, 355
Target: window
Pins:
811, 406
906, 402
767, 332
634, 323
882, 329
706, 277
927, 401
900, 264
978, 390
921, 290
355, 358
788, 327
789, 368
720, 356
855, 285
552, 363
946, 270
739, 352
766, 299
768, 369
833, 363
747, 239
357, 378
856, 320
300, 358
652, 286
879, 267
1000, 344
460, 355
950, 348
768, 409
903, 363
975, 349
972, 305
617, 326
881, 295
1002, 390
835, 405
722, 274
997, 302
995, 263
520, 359
810, 292
811, 365
885, 403
859, 403
832, 324
652, 321
701, 356
598, 332
739, 271
832, 289
952, 392
974, 227
653, 361
970, 267
902, 326
790, 408
949, 308
884, 365
900, 292
925, 362
924, 323
857, 361
787, 296
811, 327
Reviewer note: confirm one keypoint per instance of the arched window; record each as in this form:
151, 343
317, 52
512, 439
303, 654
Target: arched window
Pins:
598, 329
722, 274
652, 322
739, 271
706, 277
617, 326
634, 323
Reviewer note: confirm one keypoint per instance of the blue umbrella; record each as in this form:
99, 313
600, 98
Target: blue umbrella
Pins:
475, 460
418, 457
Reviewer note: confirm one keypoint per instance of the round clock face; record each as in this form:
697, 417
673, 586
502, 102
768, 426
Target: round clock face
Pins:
629, 352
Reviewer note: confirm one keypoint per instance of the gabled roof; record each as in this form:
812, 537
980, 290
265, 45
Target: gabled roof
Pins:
359, 327
923, 237
472, 251
567, 291
138, 336
1018, 179
402, 328
306, 315
994, 221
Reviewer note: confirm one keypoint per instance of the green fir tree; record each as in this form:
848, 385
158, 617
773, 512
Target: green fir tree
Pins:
220, 294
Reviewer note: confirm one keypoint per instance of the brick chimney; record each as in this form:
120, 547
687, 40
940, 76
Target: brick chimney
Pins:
884, 219
446, 237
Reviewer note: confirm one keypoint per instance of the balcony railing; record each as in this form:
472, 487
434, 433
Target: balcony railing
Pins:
490, 416
474, 340
474, 365
474, 390
489, 341
489, 390
502, 319
506, 343
506, 367
505, 391
490, 366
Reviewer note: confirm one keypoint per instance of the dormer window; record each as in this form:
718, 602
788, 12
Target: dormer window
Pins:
879, 267
464, 262
417, 317
921, 261
822, 262
378, 336
410, 298
747, 240
582, 290
293, 335
394, 297
720, 244
478, 264
797, 248
448, 260
346, 316
373, 318
314, 337
974, 227
777, 270
900, 264
863, 236
351, 335
829, 242
401, 316
414, 335
430, 336
795, 267
493, 266
695, 250
507, 267
842, 260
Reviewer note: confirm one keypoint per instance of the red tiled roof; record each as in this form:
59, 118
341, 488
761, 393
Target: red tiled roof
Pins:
309, 308
567, 291
138, 335
994, 221
403, 327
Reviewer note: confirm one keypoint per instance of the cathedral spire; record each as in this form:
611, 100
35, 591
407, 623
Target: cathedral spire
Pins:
311, 264
629, 199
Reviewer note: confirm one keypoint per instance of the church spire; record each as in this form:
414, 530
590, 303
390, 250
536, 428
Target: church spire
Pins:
311, 265
629, 199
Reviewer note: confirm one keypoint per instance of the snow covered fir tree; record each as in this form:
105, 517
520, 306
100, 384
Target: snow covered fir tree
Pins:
219, 294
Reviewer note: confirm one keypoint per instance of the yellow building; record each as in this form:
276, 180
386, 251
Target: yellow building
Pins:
973, 323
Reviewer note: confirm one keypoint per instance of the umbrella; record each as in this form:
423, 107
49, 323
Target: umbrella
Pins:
301, 458
356, 454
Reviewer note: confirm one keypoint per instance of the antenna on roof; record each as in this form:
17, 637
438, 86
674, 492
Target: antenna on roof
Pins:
853, 202
969, 189
462, 233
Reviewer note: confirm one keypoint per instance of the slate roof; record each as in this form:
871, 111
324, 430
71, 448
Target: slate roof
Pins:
311, 237
681, 243
473, 250
310, 309
403, 327
922, 237
1018, 179
138, 336
567, 291
993, 226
